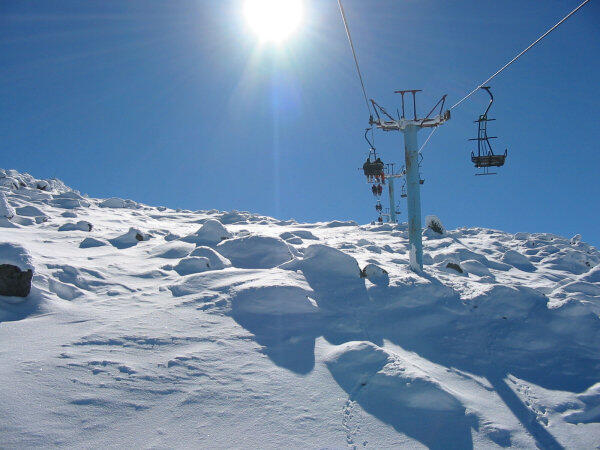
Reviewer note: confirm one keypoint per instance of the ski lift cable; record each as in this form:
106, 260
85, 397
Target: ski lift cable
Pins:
362, 83
508, 64
520, 54
427, 140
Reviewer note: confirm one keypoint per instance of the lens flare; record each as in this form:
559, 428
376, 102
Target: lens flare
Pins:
273, 20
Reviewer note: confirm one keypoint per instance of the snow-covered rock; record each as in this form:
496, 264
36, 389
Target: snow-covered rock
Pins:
16, 255
376, 275
115, 202
82, 225
255, 252
129, 239
516, 259
6, 211
210, 233
193, 264
16, 272
29, 211
90, 242
434, 224
216, 260
171, 250
329, 262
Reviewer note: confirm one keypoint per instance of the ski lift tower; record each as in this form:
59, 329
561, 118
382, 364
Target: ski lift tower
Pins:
410, 128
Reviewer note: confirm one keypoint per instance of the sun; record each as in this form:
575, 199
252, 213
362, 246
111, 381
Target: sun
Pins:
273, 20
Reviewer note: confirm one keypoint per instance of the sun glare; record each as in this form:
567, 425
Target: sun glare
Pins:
273, 20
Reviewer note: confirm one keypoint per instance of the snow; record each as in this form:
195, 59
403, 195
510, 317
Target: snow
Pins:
516, 259
376, 275
255, 252
16, 255
92, 242
117, 203
129, 239
216, 260
191, 265
82, 225
6, 210
210, 233
262, 333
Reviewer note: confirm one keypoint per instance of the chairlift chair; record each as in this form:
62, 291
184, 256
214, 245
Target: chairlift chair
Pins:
485, 157
373, 166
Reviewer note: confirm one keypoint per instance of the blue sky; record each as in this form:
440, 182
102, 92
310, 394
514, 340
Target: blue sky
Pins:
178, 104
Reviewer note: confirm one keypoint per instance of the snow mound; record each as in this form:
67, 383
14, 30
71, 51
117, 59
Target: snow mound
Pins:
216, 260
210, 233
116, 202
171, 250
6, 211
90, 242
338, 223
329, 262
69, 200
29, 211
82, 225
255, 252
516, 259
129, 239
15, 255
298, 234
475, 267
193, 264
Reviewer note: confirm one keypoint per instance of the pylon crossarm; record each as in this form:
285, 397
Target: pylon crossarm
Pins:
402, 124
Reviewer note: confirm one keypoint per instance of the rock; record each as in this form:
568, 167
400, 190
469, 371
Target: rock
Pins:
435, 224
15, 282
16, 270
42, 185
454, 266
376, 275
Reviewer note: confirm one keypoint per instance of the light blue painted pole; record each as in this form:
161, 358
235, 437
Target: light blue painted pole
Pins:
392, 201
413, 191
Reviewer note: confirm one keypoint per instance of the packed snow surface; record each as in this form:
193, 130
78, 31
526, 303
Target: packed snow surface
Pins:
153, 327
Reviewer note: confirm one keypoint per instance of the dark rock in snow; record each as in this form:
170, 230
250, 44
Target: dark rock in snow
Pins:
15, 282
454, 266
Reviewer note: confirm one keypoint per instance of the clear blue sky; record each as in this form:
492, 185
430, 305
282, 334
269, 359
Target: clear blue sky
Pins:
177, 104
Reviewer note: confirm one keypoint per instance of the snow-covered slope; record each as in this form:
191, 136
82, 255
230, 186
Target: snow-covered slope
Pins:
153, 327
